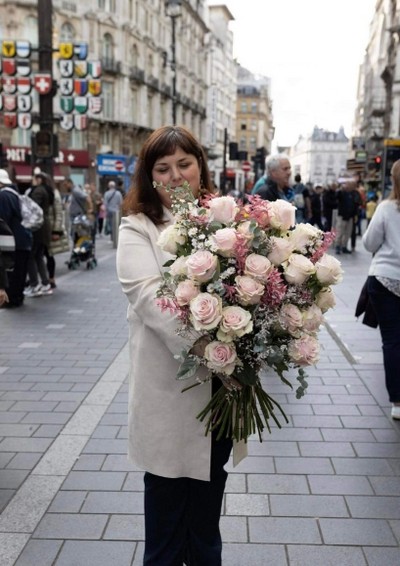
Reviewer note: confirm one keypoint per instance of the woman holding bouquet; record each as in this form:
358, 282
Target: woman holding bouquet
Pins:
184, 469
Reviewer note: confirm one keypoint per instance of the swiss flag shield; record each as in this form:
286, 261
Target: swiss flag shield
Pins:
42, 83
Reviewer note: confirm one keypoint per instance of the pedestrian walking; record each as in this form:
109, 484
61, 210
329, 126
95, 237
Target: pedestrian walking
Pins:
185, 476
112, 201
347, 211
278, 173
316, 206
10, 211
382, 238
329, 204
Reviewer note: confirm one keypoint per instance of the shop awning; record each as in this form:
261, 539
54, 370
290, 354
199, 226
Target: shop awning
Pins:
23, 172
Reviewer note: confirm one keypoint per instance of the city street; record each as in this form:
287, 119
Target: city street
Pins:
324, 490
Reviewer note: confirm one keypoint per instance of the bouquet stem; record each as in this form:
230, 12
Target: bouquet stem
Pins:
239, 413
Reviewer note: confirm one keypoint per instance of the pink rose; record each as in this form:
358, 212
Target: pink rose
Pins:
281, 250
304, 351
329, 270
221, 357
205, 311
224, 241
312, 318
258, 266
282, 214
325, 299
185, 292
249, 290
223, 209
298, 269
290, 318
235, 322
202, 265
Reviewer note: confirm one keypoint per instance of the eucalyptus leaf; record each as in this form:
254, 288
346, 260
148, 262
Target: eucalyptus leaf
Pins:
188, 367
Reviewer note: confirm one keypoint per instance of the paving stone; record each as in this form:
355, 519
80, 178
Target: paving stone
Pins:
308, 506
11, 545
356, 532
380, 556
67, 502
11, 417
101, 553
134, 482
252, 464
113, 502
48, 431
71, 526
338, 410
329, 449
303, 466
253, 554
339, 485
106, 432
347, 435
246, 504
362, 466
277, 483
374, 507
5, 458
39, 552
25, 444
233, 529
284, 530
24, 461
326, 555
47, 418
5, 497
89, 462
385, 486
317, 421
12, 479
105, 446
125, 527
236, 483
94, 481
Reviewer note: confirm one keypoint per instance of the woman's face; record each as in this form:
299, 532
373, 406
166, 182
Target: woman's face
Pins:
174, 170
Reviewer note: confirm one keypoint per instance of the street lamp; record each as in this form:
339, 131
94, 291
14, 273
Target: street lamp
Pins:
173, 9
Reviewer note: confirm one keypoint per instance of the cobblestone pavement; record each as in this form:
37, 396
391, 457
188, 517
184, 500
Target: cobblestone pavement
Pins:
323, 490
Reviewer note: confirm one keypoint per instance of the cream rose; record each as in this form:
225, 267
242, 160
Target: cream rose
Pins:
329, 270
221, 357
170, 238
291, 319
302, 236
202, 265
235, 322
282, 214
223, 209
281, 250
244, 229
205, 311
179, 266
298, 269
224, 241
249, 290
325, 299
312, 318
185, 292
304, 351
257, 266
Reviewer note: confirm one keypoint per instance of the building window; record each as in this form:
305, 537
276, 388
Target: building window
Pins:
76, 140
253, 145
108, 48
105, 137
243, 106
67, 33
108, 96
21, 137
242, 144
243, 126
254, 107
107, 5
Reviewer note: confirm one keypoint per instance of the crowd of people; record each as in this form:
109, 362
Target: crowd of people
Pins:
36, 247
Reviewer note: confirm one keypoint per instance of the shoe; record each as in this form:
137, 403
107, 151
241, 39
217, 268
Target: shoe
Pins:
346, 251
33, 291
46, 289
338, 251
53, 284
396, 412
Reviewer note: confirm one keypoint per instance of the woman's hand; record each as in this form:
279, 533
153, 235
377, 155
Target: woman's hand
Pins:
3, 297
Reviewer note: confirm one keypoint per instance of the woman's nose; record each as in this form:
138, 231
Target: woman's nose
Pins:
176, 174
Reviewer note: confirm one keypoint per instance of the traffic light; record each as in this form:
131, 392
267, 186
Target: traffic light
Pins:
259, 159
233, 151
377, 162
3, 158
43, 144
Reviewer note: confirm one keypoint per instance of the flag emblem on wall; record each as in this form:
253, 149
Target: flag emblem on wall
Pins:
80, 121
24, 67
66, 87
81, 104
67, 104
66, 67
24, 85
66, 50
23, 49
67, 122
10, 119
8, 48
42, 83
24, 120
9, 85
9, 66
24, 102
95, 104
80, 87
81, 68
9, 102
95, 69
81, 50
94, 87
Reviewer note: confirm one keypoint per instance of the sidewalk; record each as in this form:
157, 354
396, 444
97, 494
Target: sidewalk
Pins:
323, 490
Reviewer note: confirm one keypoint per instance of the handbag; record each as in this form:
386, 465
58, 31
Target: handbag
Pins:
7, 245
364, 306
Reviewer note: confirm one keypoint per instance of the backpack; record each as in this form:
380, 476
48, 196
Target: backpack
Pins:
31, 212
7, 245
298, 199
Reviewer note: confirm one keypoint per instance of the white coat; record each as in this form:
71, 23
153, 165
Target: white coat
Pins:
164, 436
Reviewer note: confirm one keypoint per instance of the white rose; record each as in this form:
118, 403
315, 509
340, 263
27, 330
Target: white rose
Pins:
224, 241
281, 250
329, 270
302, 236
223, 209
235, 322
202, 265
282, 214
325, 299
170, 238
179, 266
258, 266
249, 290
298, 269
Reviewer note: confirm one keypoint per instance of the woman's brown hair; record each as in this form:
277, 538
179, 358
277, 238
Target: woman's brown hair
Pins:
142, 196
395, 192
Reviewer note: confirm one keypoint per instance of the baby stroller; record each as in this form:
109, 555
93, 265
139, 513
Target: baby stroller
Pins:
83, 249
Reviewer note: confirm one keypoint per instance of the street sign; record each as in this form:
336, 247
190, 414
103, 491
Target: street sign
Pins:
108, 164
246, 166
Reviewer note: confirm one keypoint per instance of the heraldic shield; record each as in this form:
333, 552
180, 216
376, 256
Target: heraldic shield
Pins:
24, 120
67, 122
67, 104
10, 119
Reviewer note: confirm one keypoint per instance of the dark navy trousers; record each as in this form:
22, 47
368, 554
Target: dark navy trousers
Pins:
182, 515
387, 309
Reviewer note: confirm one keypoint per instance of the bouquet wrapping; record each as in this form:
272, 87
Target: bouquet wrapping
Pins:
250, 289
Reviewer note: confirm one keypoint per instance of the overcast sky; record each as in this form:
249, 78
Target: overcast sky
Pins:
311, 50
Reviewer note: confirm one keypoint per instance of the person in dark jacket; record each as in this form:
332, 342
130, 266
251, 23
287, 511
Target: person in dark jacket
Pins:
278, 173
3, 282
347, 210
329, 204
10, 211
42, 193
316, 206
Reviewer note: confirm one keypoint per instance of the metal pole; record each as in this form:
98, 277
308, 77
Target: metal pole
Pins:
173, 67
223, 177
45, 9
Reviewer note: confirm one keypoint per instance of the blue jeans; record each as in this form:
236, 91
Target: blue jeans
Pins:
182, 515
387, 309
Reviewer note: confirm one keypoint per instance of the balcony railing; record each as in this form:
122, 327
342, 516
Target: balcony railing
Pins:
136, 74
111, 66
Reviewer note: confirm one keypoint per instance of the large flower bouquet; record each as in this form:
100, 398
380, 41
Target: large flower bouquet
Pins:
249, 288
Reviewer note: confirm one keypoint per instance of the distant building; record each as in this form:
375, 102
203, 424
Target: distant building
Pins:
320, 157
